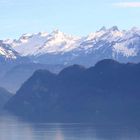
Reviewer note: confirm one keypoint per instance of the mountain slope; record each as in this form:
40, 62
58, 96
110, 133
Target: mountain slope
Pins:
4, 97
37, 44
110, 91
7, 52
15, 76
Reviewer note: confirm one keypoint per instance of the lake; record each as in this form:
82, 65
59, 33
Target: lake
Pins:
11, 128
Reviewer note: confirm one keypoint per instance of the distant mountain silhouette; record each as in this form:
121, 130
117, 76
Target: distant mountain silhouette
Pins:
13, 76
4, 97
109, 91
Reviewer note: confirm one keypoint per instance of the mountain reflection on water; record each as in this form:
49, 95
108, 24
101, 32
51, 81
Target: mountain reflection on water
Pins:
11, 128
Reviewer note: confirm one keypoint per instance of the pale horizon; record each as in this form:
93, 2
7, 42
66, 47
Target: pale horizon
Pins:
72, 17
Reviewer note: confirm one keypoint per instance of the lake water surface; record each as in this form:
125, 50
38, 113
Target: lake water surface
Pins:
12, 128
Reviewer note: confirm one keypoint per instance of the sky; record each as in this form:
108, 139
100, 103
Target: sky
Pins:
76, 17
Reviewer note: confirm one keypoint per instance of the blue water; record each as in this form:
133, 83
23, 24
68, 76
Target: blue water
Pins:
11, 128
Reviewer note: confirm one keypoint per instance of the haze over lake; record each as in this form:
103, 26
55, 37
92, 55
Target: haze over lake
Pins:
11, 128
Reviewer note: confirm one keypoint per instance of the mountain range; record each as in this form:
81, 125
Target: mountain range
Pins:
59, 48
109, 91
20, 58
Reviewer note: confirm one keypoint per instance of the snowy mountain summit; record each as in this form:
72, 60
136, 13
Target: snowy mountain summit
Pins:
7, 52
42, 43
59, 48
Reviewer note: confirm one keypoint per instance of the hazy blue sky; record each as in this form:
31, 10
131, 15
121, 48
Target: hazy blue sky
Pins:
78, 17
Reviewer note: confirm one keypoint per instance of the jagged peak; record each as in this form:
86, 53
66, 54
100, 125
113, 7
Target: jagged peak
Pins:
43, 34
103, 29
114, 28
134, 30
27, 35
58, 42
57, 32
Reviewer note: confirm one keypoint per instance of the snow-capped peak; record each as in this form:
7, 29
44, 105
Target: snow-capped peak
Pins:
135, 29
56, 31
43, 34
111, 34
43, 42
7, 52
114, 28
27, 35
103, 29
107, 42
58, 42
